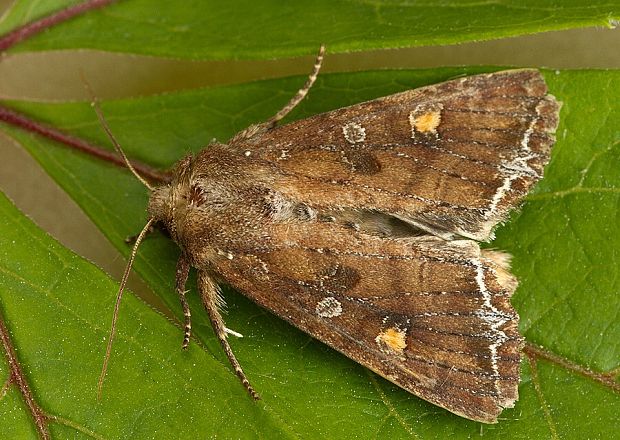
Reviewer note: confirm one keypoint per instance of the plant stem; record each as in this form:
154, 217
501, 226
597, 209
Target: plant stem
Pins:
18, 377
535, 351
19, 120
34, 27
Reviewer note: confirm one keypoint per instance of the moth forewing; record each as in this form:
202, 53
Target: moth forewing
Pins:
488, 142
355, 225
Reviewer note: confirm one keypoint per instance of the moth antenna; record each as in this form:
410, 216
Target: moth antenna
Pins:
118, 303
301, 93
117, 146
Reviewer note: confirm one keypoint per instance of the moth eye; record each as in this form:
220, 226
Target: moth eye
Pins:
196, 196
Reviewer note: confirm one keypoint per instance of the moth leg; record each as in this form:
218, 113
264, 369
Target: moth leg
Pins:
301, 93
181, 278
210, 295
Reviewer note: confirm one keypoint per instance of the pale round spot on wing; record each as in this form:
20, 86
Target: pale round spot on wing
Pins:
329, 307
354, 133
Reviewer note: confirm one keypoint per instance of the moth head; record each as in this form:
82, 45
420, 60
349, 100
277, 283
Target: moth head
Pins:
164, 198
159, 207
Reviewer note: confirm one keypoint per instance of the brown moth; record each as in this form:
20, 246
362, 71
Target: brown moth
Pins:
359, 226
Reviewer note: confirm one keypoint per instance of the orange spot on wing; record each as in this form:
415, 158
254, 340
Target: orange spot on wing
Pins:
393, 338
427, 122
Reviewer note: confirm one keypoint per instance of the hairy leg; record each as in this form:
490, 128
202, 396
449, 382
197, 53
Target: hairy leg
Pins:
209, 293
181, 278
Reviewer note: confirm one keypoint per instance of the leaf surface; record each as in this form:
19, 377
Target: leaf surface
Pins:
246, 29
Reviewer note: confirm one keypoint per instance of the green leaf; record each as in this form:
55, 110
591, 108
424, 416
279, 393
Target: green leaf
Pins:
571, 225
242, 29
564, 242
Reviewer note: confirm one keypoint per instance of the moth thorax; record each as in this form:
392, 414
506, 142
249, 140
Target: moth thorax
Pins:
158, 203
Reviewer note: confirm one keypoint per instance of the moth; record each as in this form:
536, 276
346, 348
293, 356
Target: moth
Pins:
361, 225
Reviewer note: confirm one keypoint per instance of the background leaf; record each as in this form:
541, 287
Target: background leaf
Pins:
564, 243
238, 29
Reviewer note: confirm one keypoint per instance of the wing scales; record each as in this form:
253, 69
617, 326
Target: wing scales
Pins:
451, 158
450, 339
